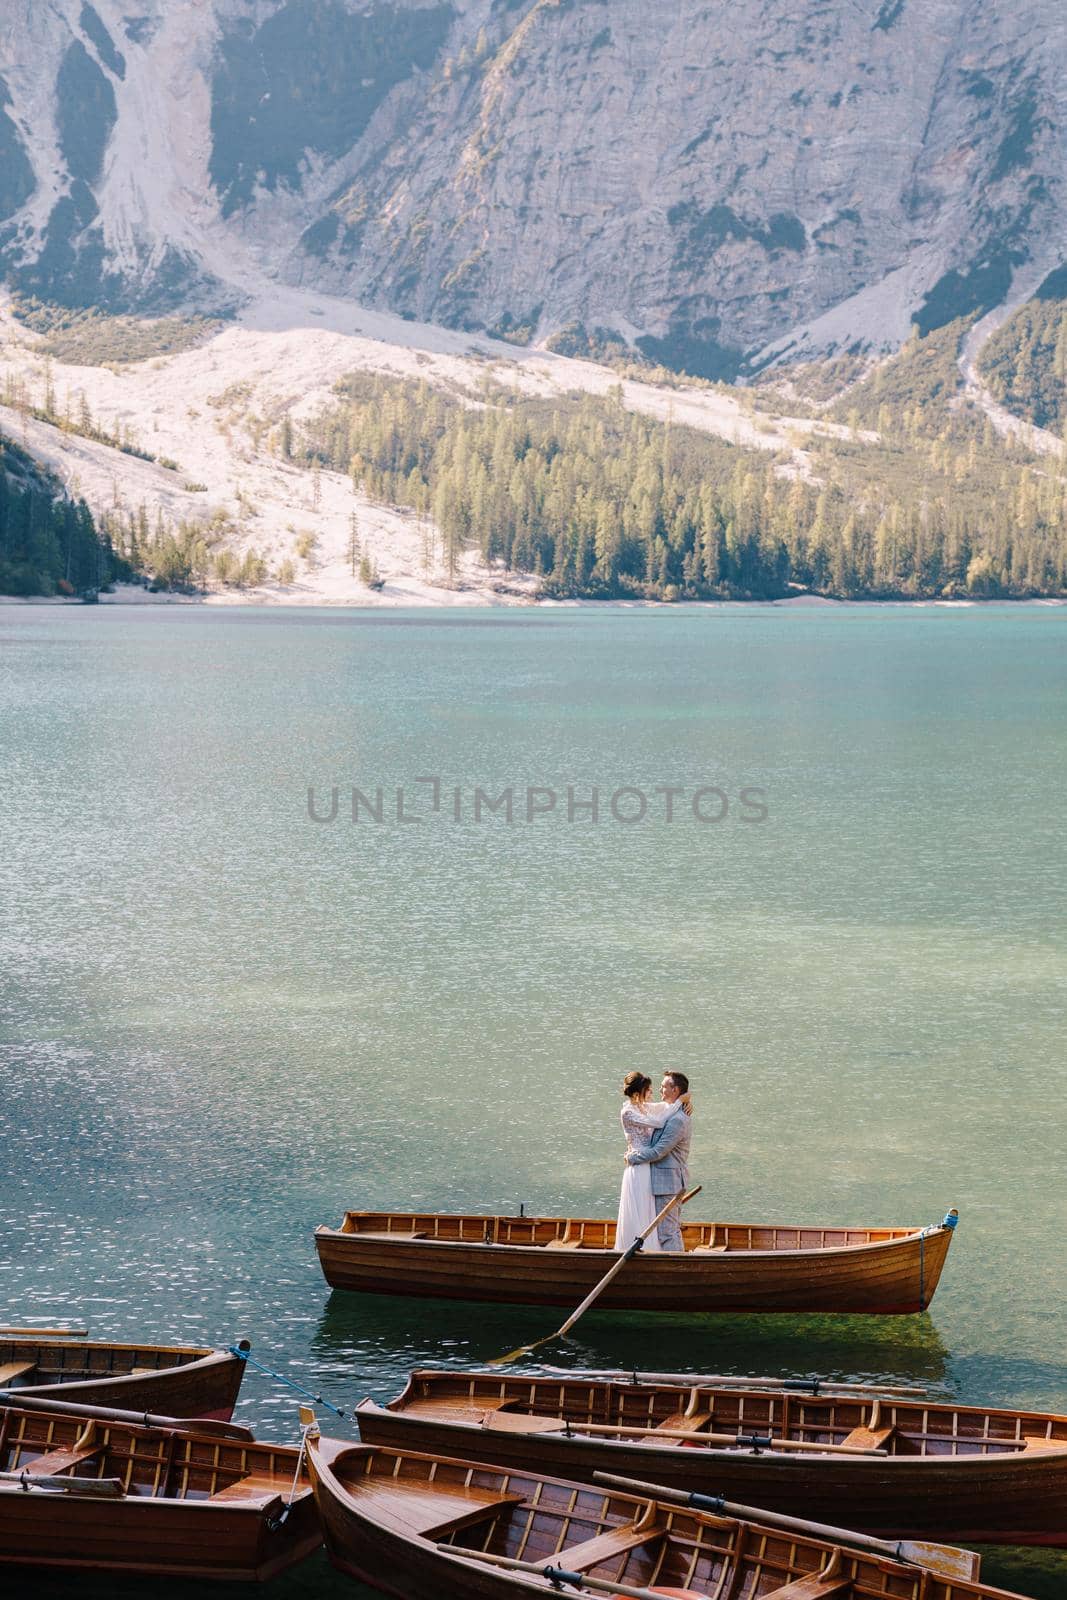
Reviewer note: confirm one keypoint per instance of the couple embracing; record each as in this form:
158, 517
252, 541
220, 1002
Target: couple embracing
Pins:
657, 1150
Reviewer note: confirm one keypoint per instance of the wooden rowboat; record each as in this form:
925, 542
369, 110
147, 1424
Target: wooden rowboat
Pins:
902, 1468
423, 1526
556, 1261
177, 1380
102, 1494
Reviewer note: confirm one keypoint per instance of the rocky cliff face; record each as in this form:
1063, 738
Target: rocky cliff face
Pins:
711, 179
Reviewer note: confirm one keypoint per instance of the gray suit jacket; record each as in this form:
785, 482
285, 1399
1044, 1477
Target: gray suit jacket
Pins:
668, 1154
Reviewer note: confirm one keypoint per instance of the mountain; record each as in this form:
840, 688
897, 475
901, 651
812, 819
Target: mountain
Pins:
718, 184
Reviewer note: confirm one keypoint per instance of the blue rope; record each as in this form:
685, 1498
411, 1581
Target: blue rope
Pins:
279, 1377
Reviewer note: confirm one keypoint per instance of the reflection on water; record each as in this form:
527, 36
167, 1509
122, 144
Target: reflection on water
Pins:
221, 1024
1041, 1574
314, 1579
383, 1336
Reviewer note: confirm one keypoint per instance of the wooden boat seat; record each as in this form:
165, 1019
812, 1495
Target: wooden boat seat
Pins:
562, 1244
14, 1369
869, 1438
54, 1461
430, 1509
390, 1235
688, 1422
1033, 1443
615, 1542
255, 1486
455, 1409
708, 1250
813, 1586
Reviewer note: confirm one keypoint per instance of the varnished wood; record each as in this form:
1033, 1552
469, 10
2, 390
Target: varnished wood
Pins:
12, 1370
148, 1500
613, 1586
815, 1587
173, 1380
724, 1266
44, 1333
965, 1474
615, 1542
620, 1543
614, 1429
54, 1461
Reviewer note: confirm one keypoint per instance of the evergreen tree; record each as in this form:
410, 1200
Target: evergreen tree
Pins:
47, 542
352, 548
598, 500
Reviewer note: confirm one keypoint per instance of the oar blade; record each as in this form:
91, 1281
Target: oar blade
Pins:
512, 1355
948, 1561
523, 1350
75, 1488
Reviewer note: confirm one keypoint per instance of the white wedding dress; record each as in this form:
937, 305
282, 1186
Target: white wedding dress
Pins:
637, 1206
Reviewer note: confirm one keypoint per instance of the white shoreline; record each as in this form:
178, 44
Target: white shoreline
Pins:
270, 597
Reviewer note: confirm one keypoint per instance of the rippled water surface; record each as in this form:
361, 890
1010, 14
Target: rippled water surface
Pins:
222, 1022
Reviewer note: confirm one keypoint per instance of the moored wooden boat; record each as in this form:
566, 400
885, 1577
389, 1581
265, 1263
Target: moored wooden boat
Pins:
556, 1261
424, 1526
177, 1380
102, 1494
934, 1470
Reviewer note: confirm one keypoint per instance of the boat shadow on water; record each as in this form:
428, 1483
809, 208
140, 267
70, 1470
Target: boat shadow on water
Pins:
377, 1338
314, 1579
1039, 1574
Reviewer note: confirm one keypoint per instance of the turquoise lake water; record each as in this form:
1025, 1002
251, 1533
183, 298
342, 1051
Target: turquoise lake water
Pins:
222, 1022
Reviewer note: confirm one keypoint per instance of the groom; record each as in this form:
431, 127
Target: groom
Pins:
668, 1154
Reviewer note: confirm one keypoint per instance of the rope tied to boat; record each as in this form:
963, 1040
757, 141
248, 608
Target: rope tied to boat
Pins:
274, 1523
279, 1377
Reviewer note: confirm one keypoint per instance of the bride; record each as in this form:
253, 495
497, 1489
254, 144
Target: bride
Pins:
641, 1117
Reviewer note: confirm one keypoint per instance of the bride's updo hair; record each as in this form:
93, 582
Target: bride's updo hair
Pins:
635, 1084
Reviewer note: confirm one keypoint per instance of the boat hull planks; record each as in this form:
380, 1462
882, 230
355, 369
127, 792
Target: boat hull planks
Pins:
182, 1504
169, 1380
889, 1272
412, 1545
941, 1478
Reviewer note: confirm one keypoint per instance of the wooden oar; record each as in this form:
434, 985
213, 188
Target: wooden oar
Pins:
43, 1333
554, 1575
98, 1488
733, 1380
944, 1559
738, 1440
613, 1272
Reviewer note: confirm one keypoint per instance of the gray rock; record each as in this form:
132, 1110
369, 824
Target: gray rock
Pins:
712, 180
